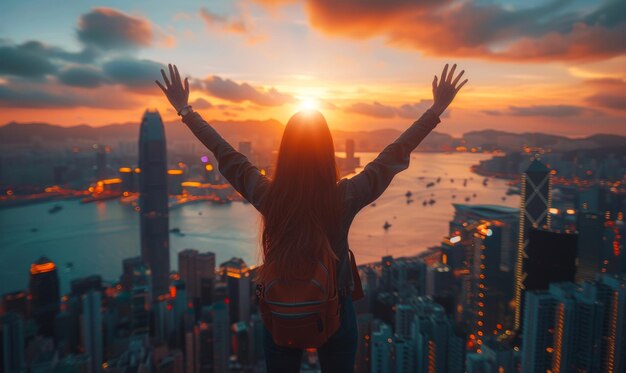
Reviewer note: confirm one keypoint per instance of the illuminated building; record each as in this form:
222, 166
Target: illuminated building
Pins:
92, 328
438, 345
237, 278
535, 203
153, 202
386, 276
44, 294
404, 356
16, 302
408, 276
195, 269
12, 343
538, 333
439, 280
140, 310
134, 272
613, 255
612, 293
174, 180
129, 179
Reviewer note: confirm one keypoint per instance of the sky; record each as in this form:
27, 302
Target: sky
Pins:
555, 66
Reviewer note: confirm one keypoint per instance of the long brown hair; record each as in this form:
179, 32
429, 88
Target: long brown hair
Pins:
300, 210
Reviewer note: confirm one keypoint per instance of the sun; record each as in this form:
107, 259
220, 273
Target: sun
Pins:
308, 104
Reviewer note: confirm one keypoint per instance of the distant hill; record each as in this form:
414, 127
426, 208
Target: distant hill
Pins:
267, 134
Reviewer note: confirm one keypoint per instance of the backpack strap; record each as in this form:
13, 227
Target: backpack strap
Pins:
357, 292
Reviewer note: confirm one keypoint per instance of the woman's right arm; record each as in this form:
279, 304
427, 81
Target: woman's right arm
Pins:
234, 166
369, 184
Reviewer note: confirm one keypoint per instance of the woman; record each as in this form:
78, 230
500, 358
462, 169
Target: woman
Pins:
305, 205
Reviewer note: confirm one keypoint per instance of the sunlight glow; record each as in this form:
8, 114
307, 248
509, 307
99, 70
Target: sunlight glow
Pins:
308, 104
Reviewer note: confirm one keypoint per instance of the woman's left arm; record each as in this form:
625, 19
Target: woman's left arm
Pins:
236, 168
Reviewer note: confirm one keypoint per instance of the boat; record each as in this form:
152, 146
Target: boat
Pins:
467, 199
438, 179
408, 194
177, 231
409, 201
424, 203
373, 204
430, 184
465, 182
55, 209
387, 225
431, 201
474, 195
452, 180
453, 196
504, 198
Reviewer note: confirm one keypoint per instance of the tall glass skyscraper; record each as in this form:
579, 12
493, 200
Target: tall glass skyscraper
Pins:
44, 292
155, 246
536, 200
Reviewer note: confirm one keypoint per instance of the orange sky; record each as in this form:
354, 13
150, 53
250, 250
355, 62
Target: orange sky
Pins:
547, 66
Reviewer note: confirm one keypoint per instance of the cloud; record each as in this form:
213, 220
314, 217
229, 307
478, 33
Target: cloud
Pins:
553, 111
201, 103
82, 76
611, 94
378, 110
52, 97
134, 74
24, 60
110, 29
555, 30
229, 90
241, 25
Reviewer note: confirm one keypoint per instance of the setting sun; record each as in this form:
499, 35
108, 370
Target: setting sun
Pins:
308, 104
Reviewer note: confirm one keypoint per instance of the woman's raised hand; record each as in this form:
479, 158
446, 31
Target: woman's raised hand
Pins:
445, 89
176, 92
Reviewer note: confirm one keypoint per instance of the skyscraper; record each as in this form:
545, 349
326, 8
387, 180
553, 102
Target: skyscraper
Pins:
535, 203
549, 257
44, 293
154, 210
195, 267
11, 343
92, 328
237, 278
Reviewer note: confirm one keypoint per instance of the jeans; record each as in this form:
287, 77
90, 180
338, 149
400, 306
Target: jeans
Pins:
336, 355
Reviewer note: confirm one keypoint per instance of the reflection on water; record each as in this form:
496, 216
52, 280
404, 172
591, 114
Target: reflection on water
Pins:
85, 239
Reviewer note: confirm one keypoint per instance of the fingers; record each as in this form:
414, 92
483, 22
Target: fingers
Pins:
172, 74
444, 73
187, 85
451, 75
177, 75
461, 85
435, 83
167, 82
161, 86
457, 78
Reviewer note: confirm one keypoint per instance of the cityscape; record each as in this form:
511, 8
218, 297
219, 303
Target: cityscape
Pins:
498, 247
539, 287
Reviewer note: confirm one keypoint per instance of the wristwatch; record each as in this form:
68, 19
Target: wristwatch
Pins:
185, 110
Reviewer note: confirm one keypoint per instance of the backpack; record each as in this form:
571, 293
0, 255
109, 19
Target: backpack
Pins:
301, 313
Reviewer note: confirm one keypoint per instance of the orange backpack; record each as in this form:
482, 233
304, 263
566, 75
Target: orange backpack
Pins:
301, 313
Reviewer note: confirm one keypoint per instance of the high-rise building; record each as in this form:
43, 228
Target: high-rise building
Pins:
92, 328
538, 333
237, 278
382, 348
153, 202
549, 257
590, 226
16, 302
195, 267
44, 294
535, 203
140, 310
612, 292
221, 336
12, 343
364, 342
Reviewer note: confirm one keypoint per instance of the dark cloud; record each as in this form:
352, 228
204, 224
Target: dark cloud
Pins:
241, 25
378, 110
25, 60
201, 103
229, 90
51, 97
554, 30
554, 111
610, 94
82, 76
108, 29
133, 73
